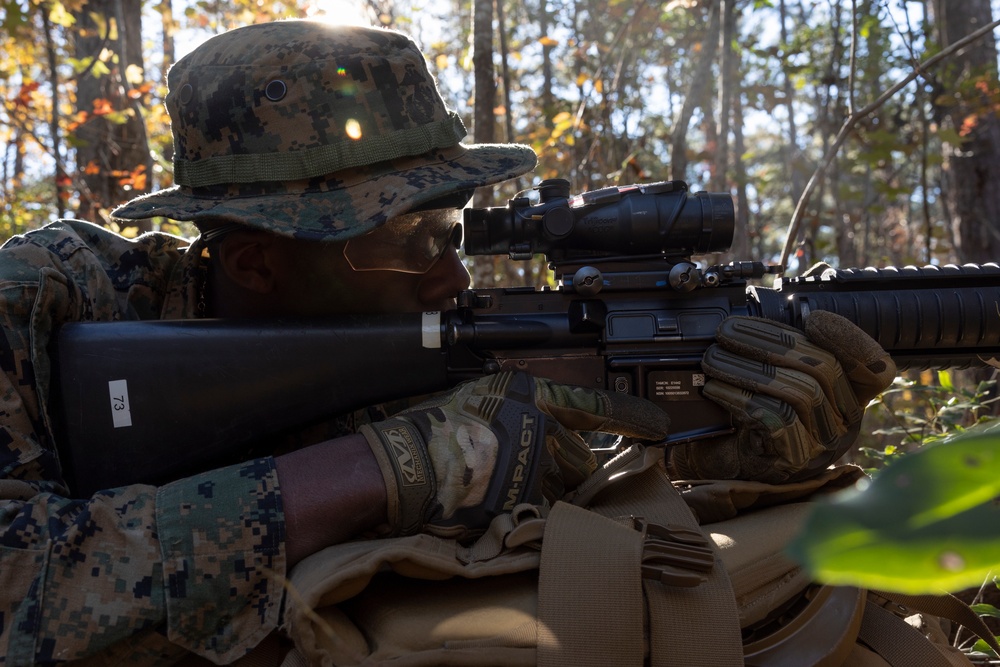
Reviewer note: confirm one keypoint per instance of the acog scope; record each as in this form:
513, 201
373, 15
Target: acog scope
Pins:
651, 219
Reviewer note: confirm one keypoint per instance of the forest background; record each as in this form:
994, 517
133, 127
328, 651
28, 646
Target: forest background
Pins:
854, 132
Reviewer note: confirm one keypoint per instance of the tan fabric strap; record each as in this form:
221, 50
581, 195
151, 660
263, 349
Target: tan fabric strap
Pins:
944, 606
688, 625
590, 603
896, 641
523, 525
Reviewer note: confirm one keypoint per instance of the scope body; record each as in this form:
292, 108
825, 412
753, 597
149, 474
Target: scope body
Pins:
654, 218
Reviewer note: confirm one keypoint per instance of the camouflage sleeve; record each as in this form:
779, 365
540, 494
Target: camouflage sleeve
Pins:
131, 571
221, 535
200, 554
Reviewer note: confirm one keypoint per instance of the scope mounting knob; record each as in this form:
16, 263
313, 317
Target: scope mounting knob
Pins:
588, 281
685, 276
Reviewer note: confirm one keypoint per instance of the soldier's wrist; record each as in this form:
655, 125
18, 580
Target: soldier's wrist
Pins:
402, 456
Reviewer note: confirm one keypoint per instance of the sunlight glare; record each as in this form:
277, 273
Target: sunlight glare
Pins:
339, 12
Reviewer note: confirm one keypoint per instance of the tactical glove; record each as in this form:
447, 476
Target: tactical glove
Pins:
797, 398
453, 463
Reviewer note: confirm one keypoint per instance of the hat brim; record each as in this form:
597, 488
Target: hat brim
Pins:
338, 206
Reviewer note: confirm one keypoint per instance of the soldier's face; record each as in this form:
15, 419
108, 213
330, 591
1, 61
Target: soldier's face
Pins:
321, 281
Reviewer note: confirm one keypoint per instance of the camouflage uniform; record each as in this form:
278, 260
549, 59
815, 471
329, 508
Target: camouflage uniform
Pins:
191, 564
299, 128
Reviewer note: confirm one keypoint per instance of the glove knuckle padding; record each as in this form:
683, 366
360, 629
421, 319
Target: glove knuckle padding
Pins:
869, 368
764, 384
798, 396
787, 347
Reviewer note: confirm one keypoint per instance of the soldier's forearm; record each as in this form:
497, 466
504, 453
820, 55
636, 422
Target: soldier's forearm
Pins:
331, 492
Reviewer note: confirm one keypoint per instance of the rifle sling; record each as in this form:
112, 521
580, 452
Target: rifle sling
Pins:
678, 615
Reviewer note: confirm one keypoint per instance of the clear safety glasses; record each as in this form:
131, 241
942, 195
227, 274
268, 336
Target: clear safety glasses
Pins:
410, 243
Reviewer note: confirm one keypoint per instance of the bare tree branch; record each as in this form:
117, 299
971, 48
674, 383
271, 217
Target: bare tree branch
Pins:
853, 119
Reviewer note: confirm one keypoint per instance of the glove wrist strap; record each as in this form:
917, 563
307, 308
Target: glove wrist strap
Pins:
409, 479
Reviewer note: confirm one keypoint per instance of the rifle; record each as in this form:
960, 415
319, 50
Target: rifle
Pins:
631, 312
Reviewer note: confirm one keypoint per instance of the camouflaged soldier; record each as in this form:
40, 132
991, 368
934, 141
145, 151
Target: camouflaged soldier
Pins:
293, 141
324, 171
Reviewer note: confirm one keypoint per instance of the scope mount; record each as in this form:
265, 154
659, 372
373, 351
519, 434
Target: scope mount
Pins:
680, 275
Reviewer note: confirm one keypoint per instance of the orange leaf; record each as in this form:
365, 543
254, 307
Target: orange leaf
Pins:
78, 119
102, 107
968, 125
23, 97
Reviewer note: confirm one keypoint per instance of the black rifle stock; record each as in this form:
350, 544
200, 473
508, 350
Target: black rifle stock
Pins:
153, 401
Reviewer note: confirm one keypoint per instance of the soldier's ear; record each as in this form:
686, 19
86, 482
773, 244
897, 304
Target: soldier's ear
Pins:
249, 260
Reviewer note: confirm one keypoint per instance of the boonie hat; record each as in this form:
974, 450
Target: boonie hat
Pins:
315, 131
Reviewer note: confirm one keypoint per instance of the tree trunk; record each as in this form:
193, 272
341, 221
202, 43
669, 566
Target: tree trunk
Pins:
971, 169
700, 85
742, 233
113, 156
483, 271
791, 151
508, 116
548, 103
61, 178
484, 120
727, 84
168, 28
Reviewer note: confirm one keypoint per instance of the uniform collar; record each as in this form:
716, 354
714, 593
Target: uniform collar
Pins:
185, 298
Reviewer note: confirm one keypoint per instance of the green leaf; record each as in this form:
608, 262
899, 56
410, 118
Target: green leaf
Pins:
13, 17
986, 610
982, 647
117, 117
944, 377
950, 136
929, 522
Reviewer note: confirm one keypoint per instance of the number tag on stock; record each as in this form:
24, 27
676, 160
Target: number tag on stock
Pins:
120, 411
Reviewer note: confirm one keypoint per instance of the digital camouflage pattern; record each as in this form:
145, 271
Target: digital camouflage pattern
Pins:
316, 131
138, 573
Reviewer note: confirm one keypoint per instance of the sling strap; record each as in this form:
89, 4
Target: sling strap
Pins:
590, 602
896, 641
678, 614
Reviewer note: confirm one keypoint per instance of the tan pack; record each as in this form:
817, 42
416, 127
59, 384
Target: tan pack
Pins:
621, 575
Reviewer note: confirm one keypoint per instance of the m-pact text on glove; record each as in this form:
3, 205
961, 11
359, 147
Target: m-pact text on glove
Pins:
527, 437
